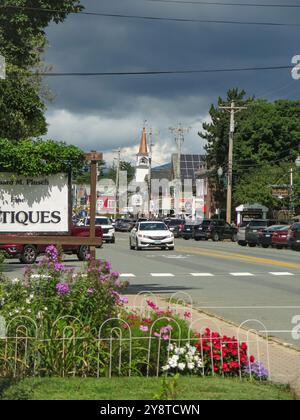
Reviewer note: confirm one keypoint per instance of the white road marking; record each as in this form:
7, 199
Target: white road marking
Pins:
242, 274
127, 275
162, 275
176, 257
282, 274
202, 274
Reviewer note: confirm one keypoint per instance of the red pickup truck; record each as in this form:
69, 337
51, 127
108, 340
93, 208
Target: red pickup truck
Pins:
28, 254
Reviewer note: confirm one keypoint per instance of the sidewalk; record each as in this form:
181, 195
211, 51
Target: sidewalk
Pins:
282, 361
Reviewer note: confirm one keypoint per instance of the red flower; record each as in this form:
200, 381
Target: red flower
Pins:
252, 359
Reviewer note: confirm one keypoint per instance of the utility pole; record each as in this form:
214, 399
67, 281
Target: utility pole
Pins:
117, 209
233, 110
179, 133
150, 171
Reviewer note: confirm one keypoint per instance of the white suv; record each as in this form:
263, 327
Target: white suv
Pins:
151, 235
107, 228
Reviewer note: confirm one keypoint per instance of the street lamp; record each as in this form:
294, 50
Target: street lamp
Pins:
220, 171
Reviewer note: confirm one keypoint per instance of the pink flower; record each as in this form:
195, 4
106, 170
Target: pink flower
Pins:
156, 334
152, 305
187, 315
166, 337
144, 328
90, 291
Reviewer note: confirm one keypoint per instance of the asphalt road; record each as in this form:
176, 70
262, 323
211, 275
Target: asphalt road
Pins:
236, 283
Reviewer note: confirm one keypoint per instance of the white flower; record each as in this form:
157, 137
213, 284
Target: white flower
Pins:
10, 314
17, 311
45, 308
35, 276
29, 311
199, 364
39, 315
31, 296
15, 281
181, 366
191, 366
165, 368
28, 301
175, 357
182, 351
170, 347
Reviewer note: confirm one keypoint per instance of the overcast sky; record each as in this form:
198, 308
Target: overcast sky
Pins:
105, 113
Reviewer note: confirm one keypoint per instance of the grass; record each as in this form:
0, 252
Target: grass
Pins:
189, 388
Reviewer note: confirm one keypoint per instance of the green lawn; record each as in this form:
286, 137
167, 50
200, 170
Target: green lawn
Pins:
189, 388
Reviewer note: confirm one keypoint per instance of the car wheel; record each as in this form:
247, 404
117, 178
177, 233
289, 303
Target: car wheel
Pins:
171, 248
83, 253
215, 237
197, 239
29, 254
265, 246
186, 239
279, 246
252, 245
242, 243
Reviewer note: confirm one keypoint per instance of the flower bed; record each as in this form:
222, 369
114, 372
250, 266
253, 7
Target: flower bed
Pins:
63, 323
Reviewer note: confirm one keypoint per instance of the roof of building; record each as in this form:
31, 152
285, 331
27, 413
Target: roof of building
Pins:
143, 145
189, 165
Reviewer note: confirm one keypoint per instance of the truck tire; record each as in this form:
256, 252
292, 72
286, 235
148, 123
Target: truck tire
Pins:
83, 253
29, 254
216, 237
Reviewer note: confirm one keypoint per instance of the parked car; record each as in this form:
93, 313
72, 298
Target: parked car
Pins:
151, 235
175, 226
28, 254
254, 227
280, 237
107, 228
217, 230
265, 235
241, 233
187, 231
293, 238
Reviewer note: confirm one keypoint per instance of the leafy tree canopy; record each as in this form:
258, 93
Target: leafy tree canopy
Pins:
35, 158
22, 31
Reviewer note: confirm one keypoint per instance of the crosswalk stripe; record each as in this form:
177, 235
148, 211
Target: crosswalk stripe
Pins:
202, 274
127, 275
282, 274
162, 275
242, 274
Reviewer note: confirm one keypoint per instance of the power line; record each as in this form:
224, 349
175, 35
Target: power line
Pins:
158, 72
157, 18
215, 3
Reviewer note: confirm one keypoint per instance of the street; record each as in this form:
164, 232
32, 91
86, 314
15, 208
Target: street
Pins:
235, 283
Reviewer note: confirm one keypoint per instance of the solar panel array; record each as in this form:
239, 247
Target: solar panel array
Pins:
190, 164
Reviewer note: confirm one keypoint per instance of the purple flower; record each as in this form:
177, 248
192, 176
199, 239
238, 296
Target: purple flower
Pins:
62, 289
90, 292
257, 370
115, 274
144, 328
156, 334
108, 266
166, 330
59, 266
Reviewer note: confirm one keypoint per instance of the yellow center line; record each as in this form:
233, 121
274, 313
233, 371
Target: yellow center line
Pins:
237, 257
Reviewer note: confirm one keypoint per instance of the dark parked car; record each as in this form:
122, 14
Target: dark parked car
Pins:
124, 225
217, 230
265, 236
253, 229
293, 238
187, 232
175, 226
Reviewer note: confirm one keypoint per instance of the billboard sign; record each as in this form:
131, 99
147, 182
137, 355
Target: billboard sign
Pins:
34, 205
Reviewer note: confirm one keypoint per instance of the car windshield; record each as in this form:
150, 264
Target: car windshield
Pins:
153, 226
257, 223
176, 222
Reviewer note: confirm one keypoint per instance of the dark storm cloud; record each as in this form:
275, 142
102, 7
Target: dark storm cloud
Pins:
88, 43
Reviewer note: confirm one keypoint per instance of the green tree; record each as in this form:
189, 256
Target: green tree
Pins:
22, 43
124, 166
